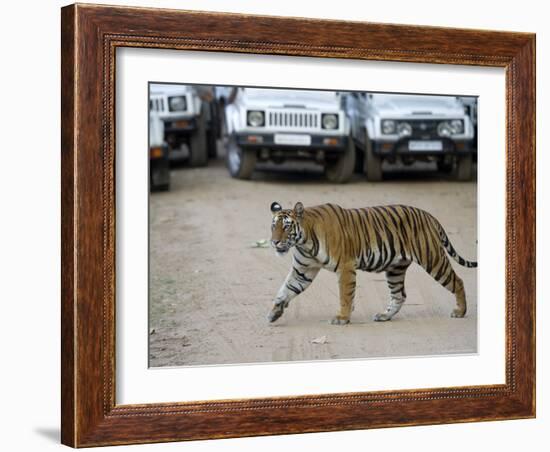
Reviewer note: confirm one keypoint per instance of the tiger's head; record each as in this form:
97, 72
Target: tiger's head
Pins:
286, 231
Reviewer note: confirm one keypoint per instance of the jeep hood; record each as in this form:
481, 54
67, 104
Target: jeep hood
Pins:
413, 106
287, 98
169, 89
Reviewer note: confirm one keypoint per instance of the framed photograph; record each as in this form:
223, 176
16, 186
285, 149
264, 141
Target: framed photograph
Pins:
281, 225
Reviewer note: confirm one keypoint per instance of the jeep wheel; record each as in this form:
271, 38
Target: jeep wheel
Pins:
240, 162
373, 163
464, 168
161, 187
340, 170
445, 165
198, 148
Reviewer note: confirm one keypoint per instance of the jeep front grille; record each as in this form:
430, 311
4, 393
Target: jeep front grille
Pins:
423, 128
293, 120
156, 104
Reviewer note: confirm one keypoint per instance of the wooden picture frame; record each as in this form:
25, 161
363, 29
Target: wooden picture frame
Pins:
90, 36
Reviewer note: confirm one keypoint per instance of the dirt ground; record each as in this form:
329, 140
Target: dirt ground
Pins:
211, 289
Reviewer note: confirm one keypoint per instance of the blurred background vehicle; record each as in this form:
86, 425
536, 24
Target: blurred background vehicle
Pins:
159, 164
281, 124
190, 120
470, 108
404, 129
316, 132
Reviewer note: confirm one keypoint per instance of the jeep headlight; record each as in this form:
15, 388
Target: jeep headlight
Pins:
444, 129
177, 103
448, 128
457, 126
388, 126
255, 118
329, 121
404, 129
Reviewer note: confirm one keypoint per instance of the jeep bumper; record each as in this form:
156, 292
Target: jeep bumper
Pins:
423, 147
180, 125
292, 141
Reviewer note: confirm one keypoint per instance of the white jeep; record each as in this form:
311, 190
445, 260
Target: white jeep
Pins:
186, 121
399, 128
280, 124
159, 165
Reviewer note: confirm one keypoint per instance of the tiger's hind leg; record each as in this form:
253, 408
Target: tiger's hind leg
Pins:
395, 277
444, 274
346, 285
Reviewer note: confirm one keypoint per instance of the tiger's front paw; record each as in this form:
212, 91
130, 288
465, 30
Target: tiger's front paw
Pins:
276, 312
339, 320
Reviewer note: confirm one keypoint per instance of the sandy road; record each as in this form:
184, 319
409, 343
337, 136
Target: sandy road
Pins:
210, 290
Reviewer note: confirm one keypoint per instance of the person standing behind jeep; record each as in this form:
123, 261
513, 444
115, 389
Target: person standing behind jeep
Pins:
225, 95
212, 111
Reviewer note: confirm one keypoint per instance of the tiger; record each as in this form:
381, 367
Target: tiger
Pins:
374, 239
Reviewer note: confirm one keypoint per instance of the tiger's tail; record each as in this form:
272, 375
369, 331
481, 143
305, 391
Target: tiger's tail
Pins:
450, 249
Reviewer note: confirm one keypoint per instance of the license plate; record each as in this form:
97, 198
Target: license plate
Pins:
292, 139
180, 124
425, 145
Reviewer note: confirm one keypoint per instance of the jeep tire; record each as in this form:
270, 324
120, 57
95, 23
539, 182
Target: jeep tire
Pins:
198, 149
240, 161
464, 168
340, 170
445, 165
373, 163
163, 185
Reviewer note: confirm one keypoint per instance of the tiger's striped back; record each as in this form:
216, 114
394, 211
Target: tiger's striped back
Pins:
376, 237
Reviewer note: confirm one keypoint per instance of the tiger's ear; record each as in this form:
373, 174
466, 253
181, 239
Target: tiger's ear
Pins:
275, 207
299, 210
